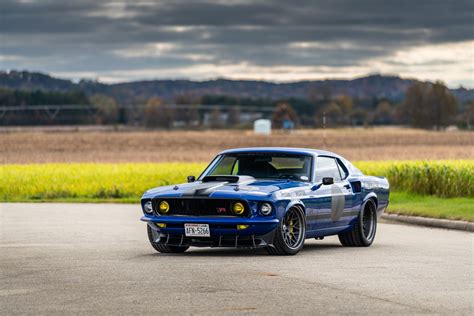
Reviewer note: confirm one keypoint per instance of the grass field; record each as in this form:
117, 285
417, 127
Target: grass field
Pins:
40, 146
411, 182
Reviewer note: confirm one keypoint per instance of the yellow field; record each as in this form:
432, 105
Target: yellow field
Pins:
88, 180
444, 178
91, 181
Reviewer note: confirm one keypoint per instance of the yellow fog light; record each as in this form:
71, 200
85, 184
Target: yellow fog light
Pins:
161, 225
238, 208
164, 207
242, 227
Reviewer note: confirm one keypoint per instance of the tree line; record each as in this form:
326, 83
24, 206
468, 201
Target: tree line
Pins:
426, 105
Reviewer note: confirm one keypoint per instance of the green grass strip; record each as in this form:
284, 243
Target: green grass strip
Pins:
432, 206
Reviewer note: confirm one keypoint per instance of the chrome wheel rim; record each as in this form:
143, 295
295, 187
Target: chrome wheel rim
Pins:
368, 222
292, 228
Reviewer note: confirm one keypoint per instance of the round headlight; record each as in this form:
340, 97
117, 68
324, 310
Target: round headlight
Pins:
238, 208
164, 207
265, 209
147, 207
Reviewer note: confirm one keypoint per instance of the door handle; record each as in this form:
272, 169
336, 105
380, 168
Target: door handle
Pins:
347, 186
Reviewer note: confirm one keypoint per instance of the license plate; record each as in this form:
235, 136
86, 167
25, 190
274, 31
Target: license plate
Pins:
197, 230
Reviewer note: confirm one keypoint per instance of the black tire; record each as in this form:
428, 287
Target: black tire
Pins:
161, 247
363, 232
286, 241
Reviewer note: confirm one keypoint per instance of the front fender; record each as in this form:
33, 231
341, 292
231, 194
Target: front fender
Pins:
296, 202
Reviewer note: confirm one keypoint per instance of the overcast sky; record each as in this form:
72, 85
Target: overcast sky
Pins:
272, 40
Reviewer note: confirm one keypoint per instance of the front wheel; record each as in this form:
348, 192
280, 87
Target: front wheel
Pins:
363, 232
161, 247
290, 234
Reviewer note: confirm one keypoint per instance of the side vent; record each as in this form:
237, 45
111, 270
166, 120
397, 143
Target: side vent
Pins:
356, 186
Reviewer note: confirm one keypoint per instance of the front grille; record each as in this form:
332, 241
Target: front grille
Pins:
199, 207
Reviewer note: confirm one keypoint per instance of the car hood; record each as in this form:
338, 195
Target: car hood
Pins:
245, 188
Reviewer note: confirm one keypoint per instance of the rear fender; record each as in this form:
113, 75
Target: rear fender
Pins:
371, 196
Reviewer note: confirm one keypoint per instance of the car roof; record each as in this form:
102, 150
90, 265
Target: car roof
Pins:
286, 150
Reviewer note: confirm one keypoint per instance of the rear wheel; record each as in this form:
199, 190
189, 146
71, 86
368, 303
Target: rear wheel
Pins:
290, 234
161, 247
363, 232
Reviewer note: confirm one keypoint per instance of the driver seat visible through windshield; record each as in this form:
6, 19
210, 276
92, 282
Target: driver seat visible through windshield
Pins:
256, 169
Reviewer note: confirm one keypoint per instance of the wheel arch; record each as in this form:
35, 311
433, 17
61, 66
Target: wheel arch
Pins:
296, 203
371, 196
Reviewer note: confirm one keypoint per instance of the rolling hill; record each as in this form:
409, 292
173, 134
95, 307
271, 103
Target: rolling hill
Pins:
372, 86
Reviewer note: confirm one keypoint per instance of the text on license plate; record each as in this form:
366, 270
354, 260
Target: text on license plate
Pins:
197, 230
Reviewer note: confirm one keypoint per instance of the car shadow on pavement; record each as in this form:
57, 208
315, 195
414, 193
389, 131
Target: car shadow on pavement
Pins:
242, 252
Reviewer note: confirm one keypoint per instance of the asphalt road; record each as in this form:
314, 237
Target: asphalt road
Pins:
95, 258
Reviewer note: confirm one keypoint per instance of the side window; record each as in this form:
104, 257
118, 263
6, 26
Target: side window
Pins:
342, 169
326, 167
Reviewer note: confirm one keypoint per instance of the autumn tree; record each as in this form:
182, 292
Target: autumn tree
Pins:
345, 104
233, 117
157, 115
333, 113
215, 118
383, 113
444, 105
190, 113
470, 115
359, 116
107, 108
283, 112
429, 105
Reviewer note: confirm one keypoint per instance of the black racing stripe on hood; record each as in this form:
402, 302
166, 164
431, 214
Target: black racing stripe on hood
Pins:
207, 188
204, 189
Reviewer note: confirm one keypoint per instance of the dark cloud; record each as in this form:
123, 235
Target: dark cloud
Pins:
101, 36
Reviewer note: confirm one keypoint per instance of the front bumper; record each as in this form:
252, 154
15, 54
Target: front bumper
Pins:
223, 231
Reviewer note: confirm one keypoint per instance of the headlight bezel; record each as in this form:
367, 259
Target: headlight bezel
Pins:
148, 207
265, 209
241, 207
166, 208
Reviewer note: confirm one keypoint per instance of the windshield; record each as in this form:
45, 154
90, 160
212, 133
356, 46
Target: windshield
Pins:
263, 166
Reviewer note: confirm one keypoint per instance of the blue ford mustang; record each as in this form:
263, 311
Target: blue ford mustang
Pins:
267, 197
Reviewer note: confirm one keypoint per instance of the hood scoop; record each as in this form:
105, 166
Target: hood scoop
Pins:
230, 179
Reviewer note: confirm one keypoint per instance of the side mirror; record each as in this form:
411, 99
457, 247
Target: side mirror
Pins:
328, 180
191, 178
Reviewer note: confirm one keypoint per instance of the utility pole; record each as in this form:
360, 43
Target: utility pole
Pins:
324, 129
